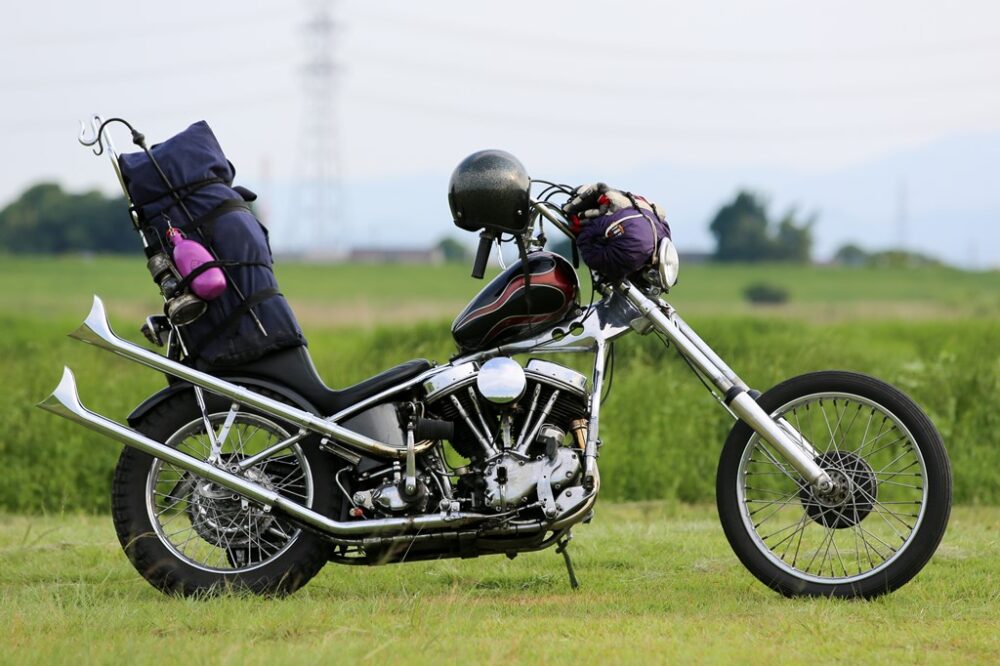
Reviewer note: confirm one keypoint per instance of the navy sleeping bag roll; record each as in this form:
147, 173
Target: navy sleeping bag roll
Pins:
201, 175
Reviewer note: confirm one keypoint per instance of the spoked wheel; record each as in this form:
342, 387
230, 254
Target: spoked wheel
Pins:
884, 519
188, 535
216, 529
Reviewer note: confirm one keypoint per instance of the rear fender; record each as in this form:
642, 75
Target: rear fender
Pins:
253, 383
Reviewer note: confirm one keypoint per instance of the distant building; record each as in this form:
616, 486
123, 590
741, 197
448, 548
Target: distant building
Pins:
373, 255
694, 257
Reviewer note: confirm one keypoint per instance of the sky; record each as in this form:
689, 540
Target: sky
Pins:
691, 99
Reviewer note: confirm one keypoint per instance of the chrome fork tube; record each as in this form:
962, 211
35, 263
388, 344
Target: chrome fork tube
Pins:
590, 478
737, 397
703, 347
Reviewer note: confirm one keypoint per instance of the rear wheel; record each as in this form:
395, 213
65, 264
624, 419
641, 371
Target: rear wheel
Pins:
891, 506
190, 536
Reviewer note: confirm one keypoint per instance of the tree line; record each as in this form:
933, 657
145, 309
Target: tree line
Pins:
45, 219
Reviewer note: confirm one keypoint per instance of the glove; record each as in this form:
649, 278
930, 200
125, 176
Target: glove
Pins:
588, 202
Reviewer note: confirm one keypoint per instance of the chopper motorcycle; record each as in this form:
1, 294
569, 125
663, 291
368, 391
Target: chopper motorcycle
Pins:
255, 475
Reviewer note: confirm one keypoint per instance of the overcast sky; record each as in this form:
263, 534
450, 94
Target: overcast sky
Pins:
569, 87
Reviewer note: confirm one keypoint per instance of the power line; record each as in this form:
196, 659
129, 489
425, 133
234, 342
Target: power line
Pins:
631, 130
581, 89
145, 74
474, 76
128, 31
569, 46
67, 124
564, 124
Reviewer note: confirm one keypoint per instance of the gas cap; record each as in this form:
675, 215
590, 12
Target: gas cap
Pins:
501, 380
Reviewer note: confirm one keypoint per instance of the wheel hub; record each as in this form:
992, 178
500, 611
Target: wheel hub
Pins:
224, 518
853, 496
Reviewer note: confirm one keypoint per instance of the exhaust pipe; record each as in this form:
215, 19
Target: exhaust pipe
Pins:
96, 331
65, 401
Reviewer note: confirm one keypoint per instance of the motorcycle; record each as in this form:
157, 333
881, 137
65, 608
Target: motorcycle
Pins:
255, 476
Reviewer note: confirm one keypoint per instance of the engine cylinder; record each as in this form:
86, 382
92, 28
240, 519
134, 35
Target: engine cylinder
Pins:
452, 395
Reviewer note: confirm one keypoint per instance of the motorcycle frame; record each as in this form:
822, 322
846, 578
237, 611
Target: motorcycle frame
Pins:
623, 308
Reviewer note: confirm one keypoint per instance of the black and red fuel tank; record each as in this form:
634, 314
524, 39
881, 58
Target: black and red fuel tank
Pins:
500, 312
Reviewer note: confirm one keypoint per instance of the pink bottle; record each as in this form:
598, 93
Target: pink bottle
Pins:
188, 255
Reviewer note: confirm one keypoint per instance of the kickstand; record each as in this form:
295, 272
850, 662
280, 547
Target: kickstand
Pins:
563, 548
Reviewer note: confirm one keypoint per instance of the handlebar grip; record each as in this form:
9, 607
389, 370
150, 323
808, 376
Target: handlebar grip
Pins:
482, 255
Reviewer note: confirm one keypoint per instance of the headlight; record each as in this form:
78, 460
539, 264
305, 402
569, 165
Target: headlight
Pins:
667, 263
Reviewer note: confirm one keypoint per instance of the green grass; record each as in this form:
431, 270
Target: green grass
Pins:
662, 432
659, 581
346, 295
659, 585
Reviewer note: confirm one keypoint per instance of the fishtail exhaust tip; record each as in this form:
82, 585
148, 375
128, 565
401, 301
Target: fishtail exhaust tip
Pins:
95, 329
65, 397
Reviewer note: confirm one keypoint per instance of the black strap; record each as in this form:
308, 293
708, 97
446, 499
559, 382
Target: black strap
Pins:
234, 317
252, 300
652, 225
206, 221
183, 190
208, 265
522, 252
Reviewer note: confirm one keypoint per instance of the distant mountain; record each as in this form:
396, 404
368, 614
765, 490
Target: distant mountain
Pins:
941, 198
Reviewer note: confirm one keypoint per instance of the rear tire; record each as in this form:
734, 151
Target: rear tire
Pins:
188, 536
887, 522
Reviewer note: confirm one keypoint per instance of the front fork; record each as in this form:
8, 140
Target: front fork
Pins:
792, 445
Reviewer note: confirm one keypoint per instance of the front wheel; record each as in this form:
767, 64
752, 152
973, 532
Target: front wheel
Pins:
891, 506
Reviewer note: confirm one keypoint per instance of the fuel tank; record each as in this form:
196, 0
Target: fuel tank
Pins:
500, 312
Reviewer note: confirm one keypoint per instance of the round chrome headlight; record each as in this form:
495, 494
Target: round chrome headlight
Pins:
667, 263
501, 380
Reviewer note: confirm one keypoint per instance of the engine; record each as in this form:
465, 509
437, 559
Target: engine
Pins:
522, 430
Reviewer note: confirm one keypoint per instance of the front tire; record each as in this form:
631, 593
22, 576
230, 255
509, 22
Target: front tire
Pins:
878, 530
188, 536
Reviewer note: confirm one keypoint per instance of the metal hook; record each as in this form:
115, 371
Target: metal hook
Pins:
96, 123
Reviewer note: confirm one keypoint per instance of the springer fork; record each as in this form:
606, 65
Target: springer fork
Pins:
737, 396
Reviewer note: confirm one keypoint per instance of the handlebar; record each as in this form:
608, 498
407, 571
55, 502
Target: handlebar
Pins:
483, 254
486, 237
545, 209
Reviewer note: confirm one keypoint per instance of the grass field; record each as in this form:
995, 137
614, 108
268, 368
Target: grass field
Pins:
662, 432
348, 296
659, 585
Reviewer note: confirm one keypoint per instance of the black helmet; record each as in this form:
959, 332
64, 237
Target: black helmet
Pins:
489, 189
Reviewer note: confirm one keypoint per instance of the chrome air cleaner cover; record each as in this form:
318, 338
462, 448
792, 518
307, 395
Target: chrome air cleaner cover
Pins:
501, 380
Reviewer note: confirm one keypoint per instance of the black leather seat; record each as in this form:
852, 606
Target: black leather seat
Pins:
294, 368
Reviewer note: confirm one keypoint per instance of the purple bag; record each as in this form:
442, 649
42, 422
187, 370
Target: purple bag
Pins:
619, 244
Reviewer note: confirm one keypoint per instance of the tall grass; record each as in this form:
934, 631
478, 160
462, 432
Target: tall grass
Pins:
662, 433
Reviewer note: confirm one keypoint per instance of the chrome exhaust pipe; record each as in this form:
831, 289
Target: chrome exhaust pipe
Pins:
65, 401
96, 331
